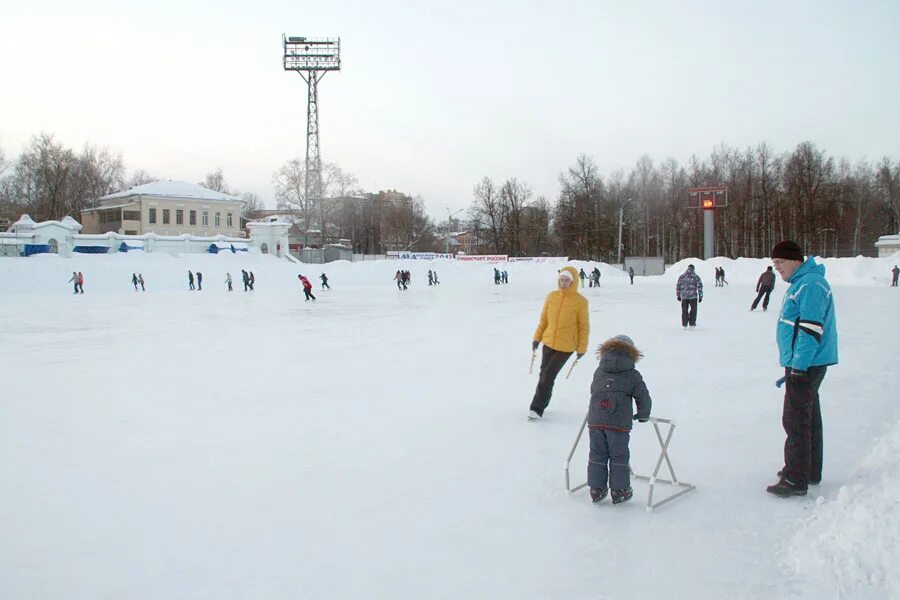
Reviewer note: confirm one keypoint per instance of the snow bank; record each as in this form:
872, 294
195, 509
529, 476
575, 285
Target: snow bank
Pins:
853, 540
860, 270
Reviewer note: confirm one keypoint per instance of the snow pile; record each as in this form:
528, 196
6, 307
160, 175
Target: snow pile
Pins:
853, 539
860, 270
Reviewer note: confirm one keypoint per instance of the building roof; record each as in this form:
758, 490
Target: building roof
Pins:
108, 207
174, 189
888, 240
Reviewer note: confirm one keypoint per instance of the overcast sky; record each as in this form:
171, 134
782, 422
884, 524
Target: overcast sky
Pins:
434, 96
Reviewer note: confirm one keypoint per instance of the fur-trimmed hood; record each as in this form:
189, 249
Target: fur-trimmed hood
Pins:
617, 355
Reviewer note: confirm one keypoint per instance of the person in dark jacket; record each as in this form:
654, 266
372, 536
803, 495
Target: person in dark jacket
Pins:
74, 282
134, 281
582, 276
631, 275
190, 280
246, 278
252, 280
807, 345
895, 272
199, 281
324, 279
689, 291
610, 415
141, 281
764, 286
436, 280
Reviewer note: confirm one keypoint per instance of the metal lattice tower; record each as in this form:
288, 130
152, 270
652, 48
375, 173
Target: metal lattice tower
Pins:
312, 58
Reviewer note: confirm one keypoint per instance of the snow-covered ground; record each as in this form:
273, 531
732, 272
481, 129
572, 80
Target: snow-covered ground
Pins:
373, 444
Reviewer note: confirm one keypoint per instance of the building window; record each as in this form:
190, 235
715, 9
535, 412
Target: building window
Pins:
165, 216
152, 217
193, 216
179, 216
228, 220
218, 219
205, 218
131, 215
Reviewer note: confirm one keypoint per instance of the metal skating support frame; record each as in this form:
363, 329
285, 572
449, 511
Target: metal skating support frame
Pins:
652, 479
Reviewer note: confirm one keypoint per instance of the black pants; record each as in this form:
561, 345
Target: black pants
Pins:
552, 362
191, 284
608, 459
309, 294
762, 291
802, 421
689, 312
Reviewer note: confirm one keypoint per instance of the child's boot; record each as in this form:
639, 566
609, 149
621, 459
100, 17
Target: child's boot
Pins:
598, 494
619, 496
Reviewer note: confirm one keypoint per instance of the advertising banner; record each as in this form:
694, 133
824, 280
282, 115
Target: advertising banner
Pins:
488, 258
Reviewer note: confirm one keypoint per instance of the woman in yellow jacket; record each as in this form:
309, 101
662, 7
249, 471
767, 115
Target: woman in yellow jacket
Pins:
563, 329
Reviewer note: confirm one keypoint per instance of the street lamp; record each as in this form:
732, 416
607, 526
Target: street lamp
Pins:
447, 239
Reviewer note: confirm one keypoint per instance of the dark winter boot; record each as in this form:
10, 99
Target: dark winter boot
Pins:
598, 494
620, 496
785, 489
780, 475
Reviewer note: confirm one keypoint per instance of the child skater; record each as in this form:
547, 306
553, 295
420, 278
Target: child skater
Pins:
616, 383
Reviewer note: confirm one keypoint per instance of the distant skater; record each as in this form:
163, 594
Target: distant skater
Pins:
134, 281
436, 280
764, 287
228, 281
190, 280
631, 275
689, 291
246, 278
895, 272
80, 282
199, 281
307, 287
324, 279
141, 281
74, 282
252, 280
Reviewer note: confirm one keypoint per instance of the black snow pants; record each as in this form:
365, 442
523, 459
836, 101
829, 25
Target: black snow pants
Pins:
309, 294
802, 421
762, 291
608, 459
689, 312
552, 362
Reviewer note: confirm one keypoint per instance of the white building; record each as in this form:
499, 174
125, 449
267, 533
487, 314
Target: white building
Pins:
167, 208
888, 244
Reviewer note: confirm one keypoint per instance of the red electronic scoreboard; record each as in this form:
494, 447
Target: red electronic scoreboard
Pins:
707, 198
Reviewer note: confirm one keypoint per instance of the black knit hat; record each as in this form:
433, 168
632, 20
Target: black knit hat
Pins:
787, 250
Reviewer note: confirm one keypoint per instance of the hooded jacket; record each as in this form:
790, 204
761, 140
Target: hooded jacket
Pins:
564, 324
616, 383
807, 330
689, 286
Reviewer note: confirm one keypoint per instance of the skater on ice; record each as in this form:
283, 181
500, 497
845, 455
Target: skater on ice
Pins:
74, 281
199, 281
689, 291
582, 276
563, 329
307, 287
615, 386
141, 281
807, 345
895, 272
764, 286
228, 281
631, 275
134, 281
190, 280
252, 280
324, 279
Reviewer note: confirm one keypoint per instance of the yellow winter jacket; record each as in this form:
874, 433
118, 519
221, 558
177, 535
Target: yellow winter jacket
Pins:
564, 322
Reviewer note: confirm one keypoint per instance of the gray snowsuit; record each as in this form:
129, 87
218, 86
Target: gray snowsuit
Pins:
616, 384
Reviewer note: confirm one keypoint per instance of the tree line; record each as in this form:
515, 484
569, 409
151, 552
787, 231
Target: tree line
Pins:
830, 206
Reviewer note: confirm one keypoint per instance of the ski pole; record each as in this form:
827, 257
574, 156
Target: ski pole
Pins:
571, 368
531, 366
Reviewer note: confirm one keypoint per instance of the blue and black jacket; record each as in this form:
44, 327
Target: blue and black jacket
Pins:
807, 333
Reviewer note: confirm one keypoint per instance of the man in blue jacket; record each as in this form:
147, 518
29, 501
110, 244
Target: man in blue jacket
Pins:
807, 343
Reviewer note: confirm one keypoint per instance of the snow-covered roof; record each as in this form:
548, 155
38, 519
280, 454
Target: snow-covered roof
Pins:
26, 223
888, 240
109, 207
173, 189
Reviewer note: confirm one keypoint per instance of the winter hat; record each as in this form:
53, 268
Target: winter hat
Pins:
787, 250
690, 267
624, 338
566, 274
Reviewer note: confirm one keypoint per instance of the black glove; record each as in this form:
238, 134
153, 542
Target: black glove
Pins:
678, 298
639, 419
534, 345
579, 355
798, 377
700, 299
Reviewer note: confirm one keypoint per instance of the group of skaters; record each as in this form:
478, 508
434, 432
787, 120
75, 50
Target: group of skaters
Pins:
77, 279
402, 278
806, 337
500, 276
136, 280
720, 277
433, 278
593, 278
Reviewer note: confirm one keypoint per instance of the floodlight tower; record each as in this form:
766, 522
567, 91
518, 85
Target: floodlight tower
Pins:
312, 58
709, 199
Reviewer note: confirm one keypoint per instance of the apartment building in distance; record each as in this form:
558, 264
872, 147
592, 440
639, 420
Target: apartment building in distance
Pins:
166, 208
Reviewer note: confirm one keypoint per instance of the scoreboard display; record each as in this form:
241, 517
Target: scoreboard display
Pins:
708, 198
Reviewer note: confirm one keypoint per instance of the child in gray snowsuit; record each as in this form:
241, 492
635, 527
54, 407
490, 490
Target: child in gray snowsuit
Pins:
616, 383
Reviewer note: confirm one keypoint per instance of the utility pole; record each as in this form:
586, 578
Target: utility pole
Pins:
449, 220
621, 215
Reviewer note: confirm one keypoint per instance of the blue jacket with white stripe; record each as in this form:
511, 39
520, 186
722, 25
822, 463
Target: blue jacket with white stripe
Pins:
806, 332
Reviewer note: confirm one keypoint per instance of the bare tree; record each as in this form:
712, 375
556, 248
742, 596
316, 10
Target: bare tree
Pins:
487, 209
252, 204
